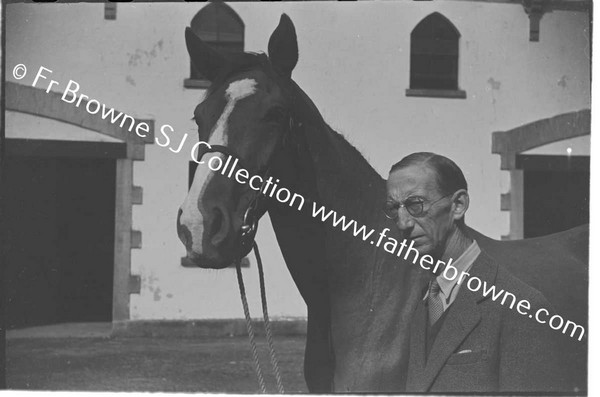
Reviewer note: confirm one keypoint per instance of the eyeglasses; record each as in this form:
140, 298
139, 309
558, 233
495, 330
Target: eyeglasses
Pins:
415, 206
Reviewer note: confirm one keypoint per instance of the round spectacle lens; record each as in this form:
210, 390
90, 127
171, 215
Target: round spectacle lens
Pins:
391, 210
414, 208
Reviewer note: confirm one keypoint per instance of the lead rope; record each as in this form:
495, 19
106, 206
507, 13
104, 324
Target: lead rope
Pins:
263, 297
261, 381
250, 328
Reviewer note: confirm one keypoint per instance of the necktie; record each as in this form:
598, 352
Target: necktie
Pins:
434, 301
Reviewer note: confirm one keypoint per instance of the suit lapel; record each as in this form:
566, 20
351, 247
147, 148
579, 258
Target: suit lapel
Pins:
464, 314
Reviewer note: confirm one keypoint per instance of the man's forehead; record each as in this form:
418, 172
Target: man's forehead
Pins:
414, 179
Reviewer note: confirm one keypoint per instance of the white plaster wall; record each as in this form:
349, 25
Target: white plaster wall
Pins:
354, 61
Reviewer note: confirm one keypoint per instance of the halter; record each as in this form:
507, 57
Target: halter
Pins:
250, 220
247, 241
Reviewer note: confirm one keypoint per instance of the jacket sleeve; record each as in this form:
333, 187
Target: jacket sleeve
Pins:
529, 351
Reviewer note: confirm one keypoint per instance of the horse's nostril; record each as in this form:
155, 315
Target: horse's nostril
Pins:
217, 221
219, 225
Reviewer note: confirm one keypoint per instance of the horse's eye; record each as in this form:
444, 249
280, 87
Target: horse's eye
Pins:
276, 115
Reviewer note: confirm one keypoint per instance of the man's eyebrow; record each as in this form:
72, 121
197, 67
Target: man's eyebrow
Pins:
415, 193
409, 197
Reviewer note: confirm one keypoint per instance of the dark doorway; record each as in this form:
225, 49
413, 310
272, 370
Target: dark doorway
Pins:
556, 193
60, 221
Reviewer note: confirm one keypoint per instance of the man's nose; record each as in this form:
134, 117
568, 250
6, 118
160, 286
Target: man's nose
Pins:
405, 221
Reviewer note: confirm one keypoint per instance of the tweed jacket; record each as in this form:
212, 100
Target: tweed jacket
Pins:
483, 345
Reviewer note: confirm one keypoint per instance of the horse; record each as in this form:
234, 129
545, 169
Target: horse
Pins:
359, 298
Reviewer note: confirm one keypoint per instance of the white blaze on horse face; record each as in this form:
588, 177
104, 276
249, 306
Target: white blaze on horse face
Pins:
236, 91
191, 216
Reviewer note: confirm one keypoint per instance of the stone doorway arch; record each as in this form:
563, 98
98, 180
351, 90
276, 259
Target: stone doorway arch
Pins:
508, 144
34, 101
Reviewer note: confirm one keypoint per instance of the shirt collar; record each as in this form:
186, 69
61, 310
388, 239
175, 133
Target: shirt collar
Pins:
462, 264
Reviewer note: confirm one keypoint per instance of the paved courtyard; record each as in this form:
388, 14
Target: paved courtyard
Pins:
92, 361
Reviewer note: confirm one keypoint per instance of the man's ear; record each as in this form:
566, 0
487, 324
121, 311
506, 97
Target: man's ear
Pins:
206, 60
460, 204
283, 47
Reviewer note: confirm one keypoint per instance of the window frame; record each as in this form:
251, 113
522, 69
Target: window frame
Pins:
195, 80
420, 90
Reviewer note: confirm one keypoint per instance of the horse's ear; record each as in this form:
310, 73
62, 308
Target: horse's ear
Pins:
206, 60
283, 47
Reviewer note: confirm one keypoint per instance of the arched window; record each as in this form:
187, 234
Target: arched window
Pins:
221, 28
434, 58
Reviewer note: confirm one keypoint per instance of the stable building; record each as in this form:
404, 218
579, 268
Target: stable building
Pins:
501, 87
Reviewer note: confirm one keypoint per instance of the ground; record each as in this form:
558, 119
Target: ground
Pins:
100, 363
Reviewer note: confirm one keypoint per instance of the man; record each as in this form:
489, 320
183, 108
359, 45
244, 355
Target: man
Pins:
460, 340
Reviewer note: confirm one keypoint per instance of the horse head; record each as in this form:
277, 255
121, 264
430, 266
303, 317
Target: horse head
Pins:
246, 115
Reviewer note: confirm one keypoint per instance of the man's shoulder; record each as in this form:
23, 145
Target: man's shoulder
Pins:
507, 281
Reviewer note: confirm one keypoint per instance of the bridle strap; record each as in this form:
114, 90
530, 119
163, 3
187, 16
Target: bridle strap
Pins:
250, 220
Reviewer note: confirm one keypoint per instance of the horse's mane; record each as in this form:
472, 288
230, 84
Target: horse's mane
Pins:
354, 152
349, 189
338, 140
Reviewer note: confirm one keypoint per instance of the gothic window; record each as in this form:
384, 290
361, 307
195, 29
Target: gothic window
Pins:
434, 57
221, 28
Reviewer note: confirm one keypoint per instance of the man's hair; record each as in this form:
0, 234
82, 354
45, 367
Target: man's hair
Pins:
449, 176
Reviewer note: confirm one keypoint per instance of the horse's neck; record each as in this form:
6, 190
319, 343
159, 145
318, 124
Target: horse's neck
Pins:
330, 173
345, 181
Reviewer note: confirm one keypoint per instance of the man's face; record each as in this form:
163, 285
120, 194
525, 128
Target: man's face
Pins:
431, 230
